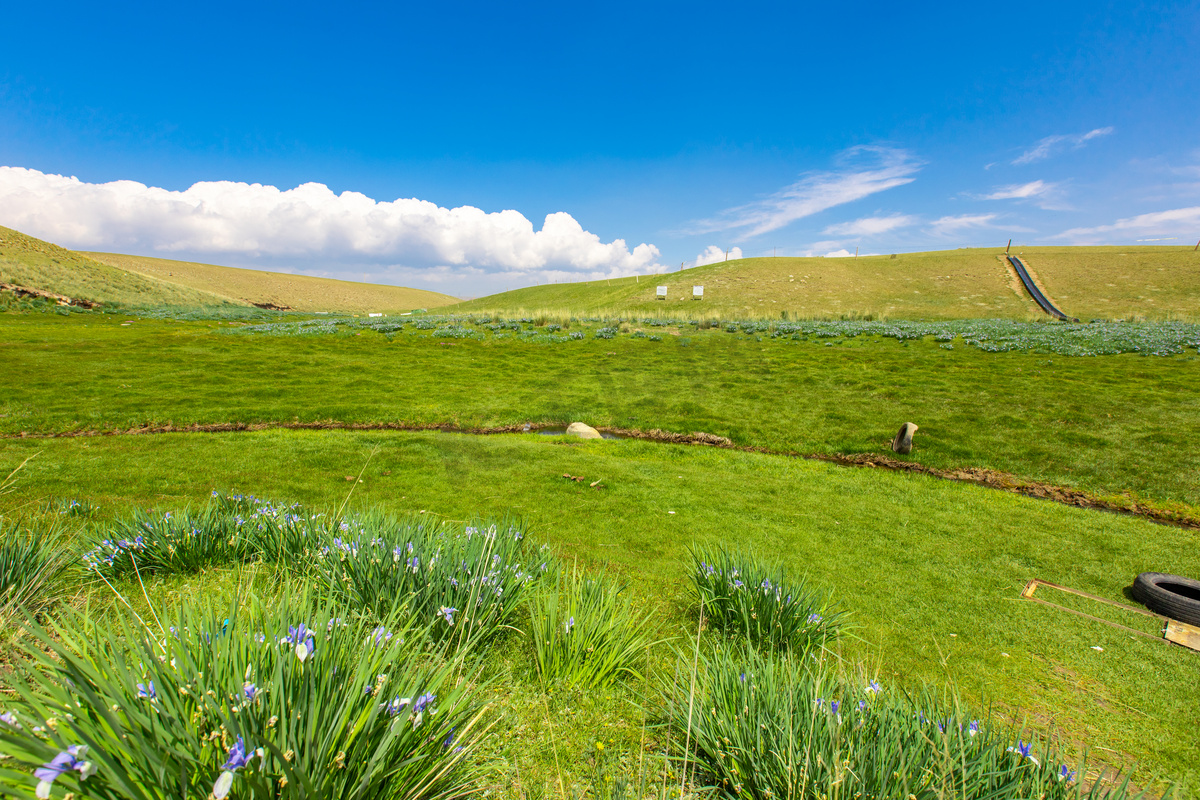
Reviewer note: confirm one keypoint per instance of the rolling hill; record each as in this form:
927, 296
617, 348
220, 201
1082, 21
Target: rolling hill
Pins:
1086, 282
277, 289
142, 282
29, 262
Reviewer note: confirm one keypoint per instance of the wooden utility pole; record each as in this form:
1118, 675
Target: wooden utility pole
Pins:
1009, 247
856, 252
1197, 247
726, 255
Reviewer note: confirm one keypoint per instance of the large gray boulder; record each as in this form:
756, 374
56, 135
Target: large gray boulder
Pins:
583, 431
902, 444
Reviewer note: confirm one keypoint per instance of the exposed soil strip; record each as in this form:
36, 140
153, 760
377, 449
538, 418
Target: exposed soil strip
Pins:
993, 479
60, 299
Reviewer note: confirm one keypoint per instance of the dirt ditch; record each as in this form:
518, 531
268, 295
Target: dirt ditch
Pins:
992, 479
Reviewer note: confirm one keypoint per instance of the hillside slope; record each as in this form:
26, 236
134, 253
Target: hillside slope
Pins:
1086, 282
26, 261
280, 290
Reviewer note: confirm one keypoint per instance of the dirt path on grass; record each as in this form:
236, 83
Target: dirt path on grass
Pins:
993, 479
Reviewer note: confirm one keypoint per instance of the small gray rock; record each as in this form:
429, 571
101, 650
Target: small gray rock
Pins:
902, 444
583, 431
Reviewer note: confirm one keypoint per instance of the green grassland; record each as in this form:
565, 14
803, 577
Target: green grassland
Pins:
282, 290
26, 261
1119, 425
1085, 282
930, 571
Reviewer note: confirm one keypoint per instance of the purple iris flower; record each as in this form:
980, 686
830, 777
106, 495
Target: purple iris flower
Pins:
974, 727
381, 635
301, 635
237, 759
146, 692
447, 613
237, 756
73, 758
1066, 773
834, 705
423, 702
396, 705
249, 691
1023, 749
414, 563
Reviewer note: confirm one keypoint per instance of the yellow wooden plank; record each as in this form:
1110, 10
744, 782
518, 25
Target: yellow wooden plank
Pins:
1182, 633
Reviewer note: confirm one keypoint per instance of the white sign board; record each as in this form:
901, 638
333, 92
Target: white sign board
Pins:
662, 291
697, 291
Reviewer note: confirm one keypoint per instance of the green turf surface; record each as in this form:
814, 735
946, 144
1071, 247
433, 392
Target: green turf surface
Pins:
1108, 424
930, 571
1085, 282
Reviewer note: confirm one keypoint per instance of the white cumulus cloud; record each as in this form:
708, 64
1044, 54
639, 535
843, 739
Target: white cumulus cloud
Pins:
1053, 144
309, 227
712, 254
865, 170
870, 226
1177, 220
843, 253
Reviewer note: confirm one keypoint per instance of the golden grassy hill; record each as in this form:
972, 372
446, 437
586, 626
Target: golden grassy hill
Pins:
277, 289
1085, 282
26, 261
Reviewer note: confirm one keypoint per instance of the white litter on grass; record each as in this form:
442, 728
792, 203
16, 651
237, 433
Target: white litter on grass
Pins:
670, 512
1006, 655
1098, 648
954, 634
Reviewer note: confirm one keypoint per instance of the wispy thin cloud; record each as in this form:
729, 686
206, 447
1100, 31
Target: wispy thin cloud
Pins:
871, 226
866, 170
949, 226
1020, 191
1176, 220
1053, 144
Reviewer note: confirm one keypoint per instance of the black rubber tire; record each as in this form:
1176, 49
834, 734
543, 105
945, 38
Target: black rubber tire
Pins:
1170, 595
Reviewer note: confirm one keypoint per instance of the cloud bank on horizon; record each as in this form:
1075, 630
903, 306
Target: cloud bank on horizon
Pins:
310, 226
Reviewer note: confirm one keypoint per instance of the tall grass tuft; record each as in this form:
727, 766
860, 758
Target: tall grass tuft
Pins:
742, 596
769, 726
466, 581
30, 562
282, 699
585, 632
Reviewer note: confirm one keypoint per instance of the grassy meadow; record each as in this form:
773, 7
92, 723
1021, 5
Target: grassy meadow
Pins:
283, 290
1086, 282
928, 572
1122, 425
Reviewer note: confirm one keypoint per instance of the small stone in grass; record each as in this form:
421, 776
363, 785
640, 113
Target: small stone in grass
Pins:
1098, 648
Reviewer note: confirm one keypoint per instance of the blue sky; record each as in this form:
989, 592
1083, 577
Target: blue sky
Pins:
649, 134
